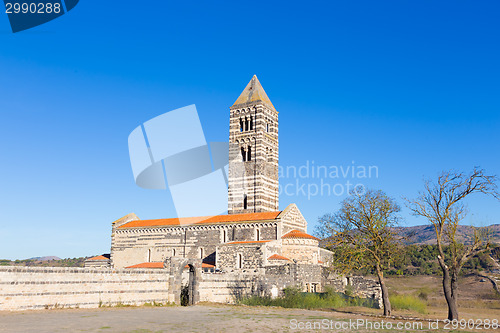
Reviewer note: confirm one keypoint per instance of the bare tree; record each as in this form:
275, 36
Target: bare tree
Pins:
442, 203
361, 234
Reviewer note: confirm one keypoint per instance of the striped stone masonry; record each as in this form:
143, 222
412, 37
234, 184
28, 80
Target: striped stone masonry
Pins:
36, 288
253, 167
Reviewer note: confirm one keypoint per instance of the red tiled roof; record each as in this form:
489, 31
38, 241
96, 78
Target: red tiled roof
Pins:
249, 242
203, 265
277, 257
202, 220
148, 265
101, 257
298, 234
320, 262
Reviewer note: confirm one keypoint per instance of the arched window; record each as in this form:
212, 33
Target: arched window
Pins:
245, 202
267, 127
173, 252
241, 125
149, 255
247, 124
257, 234
224, 236
239, 261
249, 153
201, 253
243, 154
251, 123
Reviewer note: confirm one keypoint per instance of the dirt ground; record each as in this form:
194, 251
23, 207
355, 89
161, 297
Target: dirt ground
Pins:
200, 318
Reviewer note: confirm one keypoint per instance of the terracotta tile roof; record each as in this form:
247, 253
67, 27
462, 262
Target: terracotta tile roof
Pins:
101, 257
277, 257
248, 242
148, 265
298, 234
202, 220
203, 265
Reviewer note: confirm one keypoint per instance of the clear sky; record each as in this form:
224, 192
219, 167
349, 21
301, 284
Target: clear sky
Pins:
411, 87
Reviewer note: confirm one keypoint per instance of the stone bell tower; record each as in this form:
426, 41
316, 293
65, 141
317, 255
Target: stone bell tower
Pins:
253, 141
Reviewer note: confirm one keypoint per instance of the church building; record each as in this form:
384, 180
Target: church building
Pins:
254, 233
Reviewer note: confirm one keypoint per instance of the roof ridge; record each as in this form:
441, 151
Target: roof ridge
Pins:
227, 218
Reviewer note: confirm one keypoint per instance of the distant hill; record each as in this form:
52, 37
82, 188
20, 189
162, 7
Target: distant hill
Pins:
425, 234
49, 261
47, 258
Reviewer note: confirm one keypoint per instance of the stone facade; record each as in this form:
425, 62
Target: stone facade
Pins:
140, 241
293, 220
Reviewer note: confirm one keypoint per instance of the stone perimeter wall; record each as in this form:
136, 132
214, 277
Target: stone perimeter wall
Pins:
36, 288
32, 288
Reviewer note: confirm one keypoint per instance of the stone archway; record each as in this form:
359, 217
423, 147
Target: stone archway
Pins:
189, 286
176, 267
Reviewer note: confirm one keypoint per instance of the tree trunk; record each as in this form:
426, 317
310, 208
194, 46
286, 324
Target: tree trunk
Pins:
385, 292
452, 304
449, 289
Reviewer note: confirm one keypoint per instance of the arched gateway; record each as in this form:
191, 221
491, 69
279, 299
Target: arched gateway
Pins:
191, 269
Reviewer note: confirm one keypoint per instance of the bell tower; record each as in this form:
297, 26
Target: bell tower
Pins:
253, 140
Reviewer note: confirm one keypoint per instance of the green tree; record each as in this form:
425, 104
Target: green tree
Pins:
362, 236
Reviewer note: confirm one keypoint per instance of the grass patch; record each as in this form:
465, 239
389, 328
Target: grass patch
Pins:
126, 305
293, 298
158, 304
423, 293
408, 302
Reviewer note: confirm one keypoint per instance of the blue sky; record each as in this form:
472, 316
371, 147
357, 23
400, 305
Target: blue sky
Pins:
409, 86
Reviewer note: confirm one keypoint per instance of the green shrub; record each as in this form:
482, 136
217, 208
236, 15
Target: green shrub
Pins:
408, 302
423, 293
294, 298
155, 304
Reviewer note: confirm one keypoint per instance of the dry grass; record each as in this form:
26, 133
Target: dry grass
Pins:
476, 300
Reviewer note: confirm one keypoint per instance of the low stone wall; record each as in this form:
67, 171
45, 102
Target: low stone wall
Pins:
23, 288
360, 286
227, 287
366, 288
